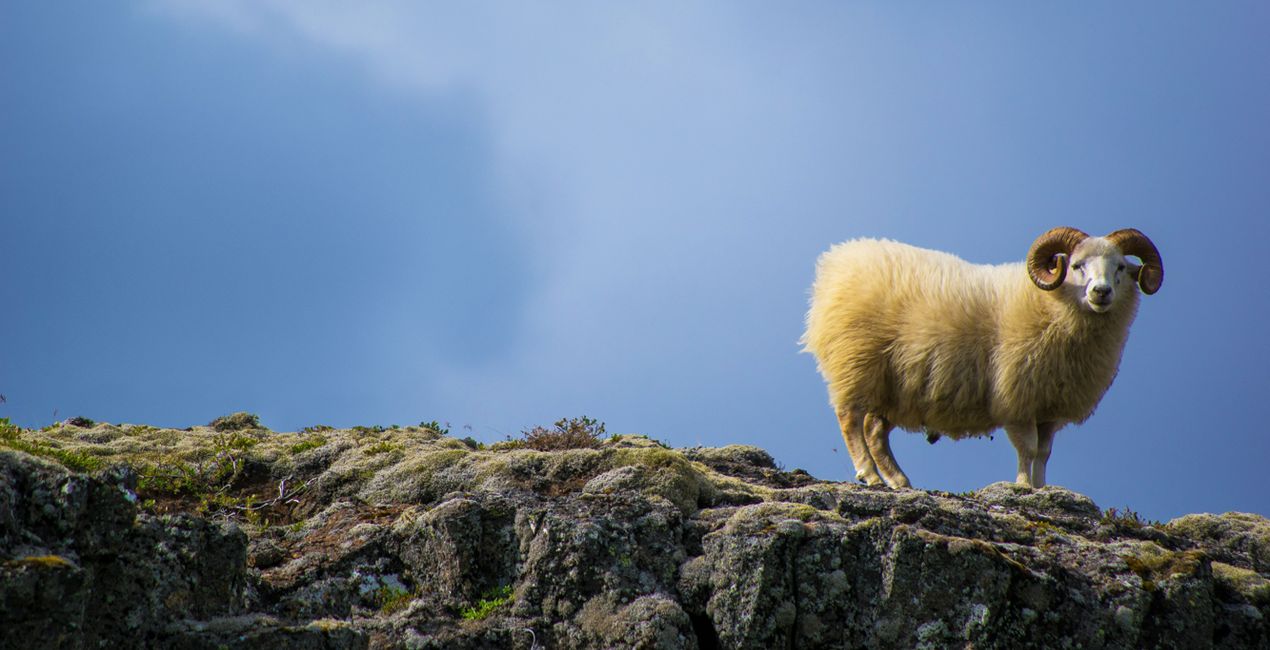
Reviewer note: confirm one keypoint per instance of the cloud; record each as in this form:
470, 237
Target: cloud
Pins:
667, 169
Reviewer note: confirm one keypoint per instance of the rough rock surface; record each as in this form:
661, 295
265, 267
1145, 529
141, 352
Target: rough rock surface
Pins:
403, 537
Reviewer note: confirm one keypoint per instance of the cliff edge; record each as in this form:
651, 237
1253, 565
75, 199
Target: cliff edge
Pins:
235, 536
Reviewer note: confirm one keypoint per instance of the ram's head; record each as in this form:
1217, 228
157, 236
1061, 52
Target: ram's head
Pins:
1098, 268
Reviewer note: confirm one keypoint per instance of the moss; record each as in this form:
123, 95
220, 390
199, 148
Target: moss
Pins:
803, 512
1246, 582
390, 599
438, 460
73, 460
1154, 564
1042, 528
652, 457
507, 445
328, 625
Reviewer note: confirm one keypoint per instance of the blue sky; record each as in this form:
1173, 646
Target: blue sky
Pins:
498, 215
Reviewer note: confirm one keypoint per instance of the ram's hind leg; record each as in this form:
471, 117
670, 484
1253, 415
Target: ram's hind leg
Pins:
877, 431
851, 421
1024, 439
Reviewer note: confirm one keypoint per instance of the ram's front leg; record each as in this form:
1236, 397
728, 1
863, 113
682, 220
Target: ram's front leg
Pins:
1044, 443
1023, 437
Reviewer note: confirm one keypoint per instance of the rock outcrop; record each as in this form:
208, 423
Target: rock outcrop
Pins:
404, 537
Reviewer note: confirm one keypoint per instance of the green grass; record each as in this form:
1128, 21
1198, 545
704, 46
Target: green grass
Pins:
77, 461
490, 601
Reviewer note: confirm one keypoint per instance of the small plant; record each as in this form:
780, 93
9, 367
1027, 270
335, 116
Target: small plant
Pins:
208, 479
472, 443
1126, 519
571, 433
170, 479
489, 601
317, 428
236, 422
235, 441
312, 442
81, 422
435, 427
380, 448
390, 599
361, 431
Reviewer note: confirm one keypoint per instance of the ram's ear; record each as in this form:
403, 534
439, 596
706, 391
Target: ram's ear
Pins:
1132, 242
1132, 269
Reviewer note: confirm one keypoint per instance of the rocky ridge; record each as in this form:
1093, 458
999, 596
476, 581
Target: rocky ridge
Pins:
236, 536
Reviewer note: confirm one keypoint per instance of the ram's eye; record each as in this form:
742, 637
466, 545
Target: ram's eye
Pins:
1077, 265
1121, 268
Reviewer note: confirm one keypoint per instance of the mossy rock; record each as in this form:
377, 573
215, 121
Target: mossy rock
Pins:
1154, 564
1247, 583
1233, 537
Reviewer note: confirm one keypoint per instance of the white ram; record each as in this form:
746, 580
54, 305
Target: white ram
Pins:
925, 341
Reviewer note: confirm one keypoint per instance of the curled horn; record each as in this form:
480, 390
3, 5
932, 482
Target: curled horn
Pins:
1047, 260
1131, 241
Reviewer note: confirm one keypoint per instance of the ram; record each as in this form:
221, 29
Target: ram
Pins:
925, 341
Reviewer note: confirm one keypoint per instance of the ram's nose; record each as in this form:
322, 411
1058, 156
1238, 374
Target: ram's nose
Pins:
1100, 291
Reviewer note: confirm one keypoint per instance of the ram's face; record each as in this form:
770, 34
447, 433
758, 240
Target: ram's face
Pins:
1099, 274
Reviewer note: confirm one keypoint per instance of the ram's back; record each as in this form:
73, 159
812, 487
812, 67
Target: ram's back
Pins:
907, 332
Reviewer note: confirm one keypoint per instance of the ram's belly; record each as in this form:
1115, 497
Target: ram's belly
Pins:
942, 380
